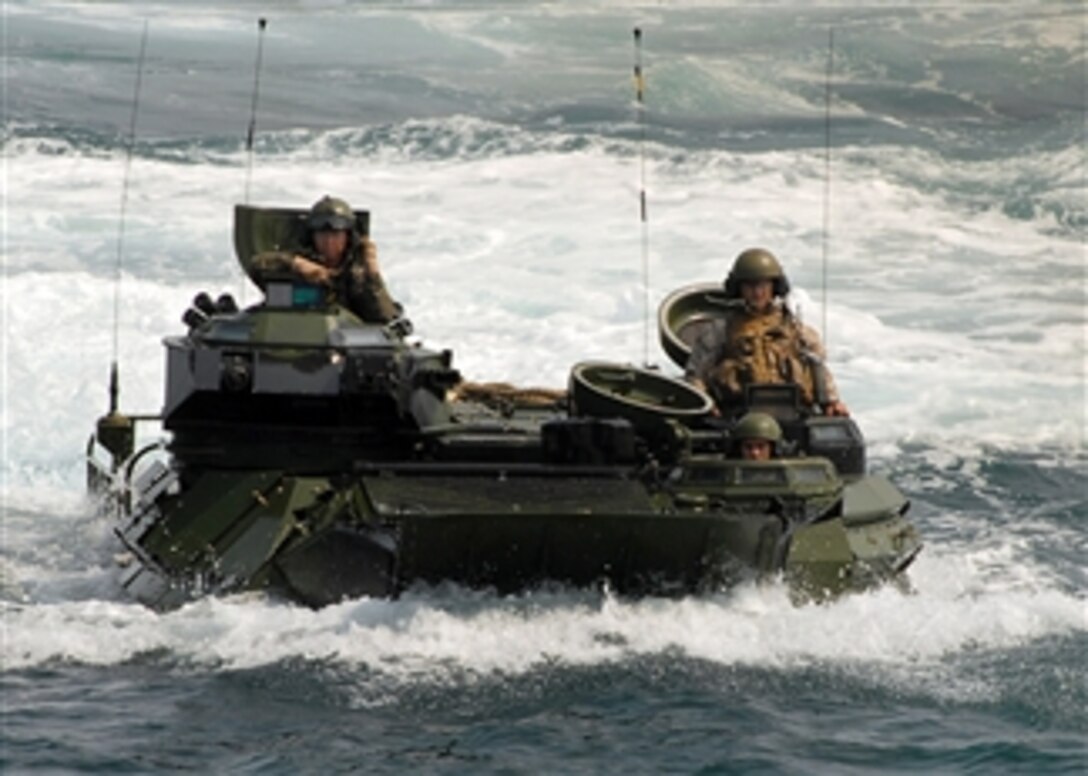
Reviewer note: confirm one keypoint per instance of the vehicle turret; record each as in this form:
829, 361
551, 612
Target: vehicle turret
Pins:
295, 381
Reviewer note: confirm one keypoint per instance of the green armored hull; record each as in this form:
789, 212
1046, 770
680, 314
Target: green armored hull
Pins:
321, 458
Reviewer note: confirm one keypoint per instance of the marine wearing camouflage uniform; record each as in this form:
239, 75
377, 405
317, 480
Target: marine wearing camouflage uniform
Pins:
757, 427
747, 346
361, 291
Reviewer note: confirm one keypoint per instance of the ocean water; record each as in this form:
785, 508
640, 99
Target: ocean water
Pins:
501, 151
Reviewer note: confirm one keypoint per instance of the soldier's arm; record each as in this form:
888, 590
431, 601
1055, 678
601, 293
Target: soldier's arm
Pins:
834, 404
380, 306
282, 263
704, 354
371, 300
272, 263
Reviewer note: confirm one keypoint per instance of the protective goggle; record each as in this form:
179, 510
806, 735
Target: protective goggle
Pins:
329, 222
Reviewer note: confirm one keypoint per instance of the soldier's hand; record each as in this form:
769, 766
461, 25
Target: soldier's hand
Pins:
836, 409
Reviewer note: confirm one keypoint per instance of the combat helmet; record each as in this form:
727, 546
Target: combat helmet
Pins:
330, 213
756, 264
758, 425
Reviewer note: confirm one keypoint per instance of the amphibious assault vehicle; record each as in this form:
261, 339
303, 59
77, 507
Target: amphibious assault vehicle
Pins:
321, 458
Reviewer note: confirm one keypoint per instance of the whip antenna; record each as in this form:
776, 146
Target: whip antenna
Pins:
827, 173
121, 221
252, 129
261, 24
640, 87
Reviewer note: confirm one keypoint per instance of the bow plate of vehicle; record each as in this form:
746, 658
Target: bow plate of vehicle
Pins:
318, 457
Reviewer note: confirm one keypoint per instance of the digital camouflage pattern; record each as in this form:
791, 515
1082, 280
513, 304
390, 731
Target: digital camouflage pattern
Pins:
744, 348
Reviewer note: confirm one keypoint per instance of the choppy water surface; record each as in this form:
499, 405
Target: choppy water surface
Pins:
498, 148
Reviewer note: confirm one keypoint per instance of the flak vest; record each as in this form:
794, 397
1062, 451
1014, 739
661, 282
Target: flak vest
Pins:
767, 349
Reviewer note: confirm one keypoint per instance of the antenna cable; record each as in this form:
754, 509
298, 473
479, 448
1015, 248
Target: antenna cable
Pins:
121, 220
261, 24
640, 87
827, 175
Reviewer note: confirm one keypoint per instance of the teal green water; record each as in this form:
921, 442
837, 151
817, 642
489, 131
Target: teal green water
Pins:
655, 714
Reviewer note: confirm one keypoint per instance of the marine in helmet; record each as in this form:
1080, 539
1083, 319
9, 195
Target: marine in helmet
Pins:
758, 340
756, 437
337, 257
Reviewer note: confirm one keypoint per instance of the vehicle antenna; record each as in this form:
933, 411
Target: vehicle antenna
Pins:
640, 87
121, 221
827, 174
261, 24
252, 129
114, 431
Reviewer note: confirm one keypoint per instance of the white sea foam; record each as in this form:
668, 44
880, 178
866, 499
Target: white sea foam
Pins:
436, 637
523, 268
